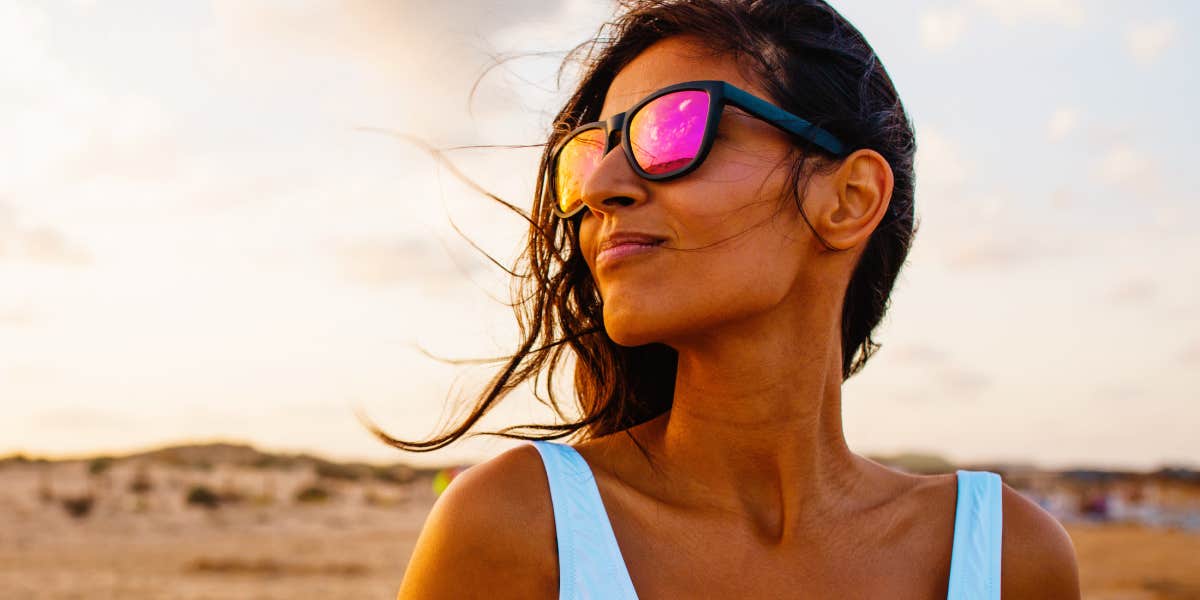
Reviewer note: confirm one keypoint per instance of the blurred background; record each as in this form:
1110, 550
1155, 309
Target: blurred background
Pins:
212, 253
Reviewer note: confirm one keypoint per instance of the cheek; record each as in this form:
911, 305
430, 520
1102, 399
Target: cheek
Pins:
693, 291
586, 239
735, 255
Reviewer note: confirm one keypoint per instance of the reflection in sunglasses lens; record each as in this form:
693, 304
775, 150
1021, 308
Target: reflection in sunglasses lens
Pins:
576, 162
666, 133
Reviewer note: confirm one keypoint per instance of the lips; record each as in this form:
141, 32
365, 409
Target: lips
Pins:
629, 238
624, 244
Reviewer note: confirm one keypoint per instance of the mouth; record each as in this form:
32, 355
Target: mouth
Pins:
619, 250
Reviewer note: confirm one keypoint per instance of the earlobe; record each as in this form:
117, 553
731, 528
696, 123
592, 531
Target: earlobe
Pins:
859, 198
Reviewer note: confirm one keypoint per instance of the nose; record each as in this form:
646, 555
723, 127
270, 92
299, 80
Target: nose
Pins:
614, 183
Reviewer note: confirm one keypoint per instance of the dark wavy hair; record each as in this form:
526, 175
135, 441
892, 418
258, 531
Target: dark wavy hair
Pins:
813, 63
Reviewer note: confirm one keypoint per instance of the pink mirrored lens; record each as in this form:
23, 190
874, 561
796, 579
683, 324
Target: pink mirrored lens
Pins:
666, 133
576, 162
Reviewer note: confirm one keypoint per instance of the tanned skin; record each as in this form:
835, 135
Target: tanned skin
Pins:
756, 494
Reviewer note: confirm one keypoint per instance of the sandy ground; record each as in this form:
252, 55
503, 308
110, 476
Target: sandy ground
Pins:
353, 545
1119, 562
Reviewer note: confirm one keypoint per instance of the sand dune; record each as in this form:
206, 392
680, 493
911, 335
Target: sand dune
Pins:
270, 526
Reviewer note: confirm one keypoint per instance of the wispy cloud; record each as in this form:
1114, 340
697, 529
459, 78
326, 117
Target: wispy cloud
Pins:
49, 246
1063, 123
918, 354
963, 382
1062, 197
1147, 41
1123, 165
19, 316
1133, 292
987, 250
945, 26
942, 28
68, 127
1120, 392
81, 418
387, 262
941, 162
962, 224
942, 375
421, 56
1069, 13
1189, 355
38, 243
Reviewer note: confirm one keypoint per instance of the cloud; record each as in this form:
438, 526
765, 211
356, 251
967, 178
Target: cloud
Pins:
943, 27
1189, 355
421, 57
962, 381
1133, 292
989, 251
1147, 41
1062, 123
1062, 197
962, 225
576, 21
939, 372
78, 419
918, 354
1123, 166
39, 244
386, 262
1120, 392
373, 25
8, 217
1069, 13
49, 246
60, 125
126, 136
17, 317
939, 162
1002, 247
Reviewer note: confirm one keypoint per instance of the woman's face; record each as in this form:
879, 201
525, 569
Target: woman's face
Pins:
731, 250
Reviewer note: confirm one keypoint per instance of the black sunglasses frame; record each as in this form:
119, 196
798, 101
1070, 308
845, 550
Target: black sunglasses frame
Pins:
720, 94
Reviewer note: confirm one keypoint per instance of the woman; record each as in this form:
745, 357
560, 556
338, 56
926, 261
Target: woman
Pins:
728, 201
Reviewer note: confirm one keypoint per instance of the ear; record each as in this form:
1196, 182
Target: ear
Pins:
850, 204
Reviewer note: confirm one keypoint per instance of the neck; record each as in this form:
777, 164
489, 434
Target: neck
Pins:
755, 430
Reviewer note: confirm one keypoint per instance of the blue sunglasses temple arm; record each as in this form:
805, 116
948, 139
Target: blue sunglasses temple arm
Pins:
783, 119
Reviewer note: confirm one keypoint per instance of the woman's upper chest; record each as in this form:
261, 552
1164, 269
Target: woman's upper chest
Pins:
898, 550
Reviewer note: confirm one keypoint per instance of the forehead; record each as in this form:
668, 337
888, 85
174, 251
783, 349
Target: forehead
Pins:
670, 61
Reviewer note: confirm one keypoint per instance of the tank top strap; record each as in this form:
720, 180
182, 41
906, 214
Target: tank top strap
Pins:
590, 565
975, 558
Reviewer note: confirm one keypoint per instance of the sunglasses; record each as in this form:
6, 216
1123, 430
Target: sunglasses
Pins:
665, 135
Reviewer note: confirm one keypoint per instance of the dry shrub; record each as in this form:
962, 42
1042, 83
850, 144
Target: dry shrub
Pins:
100, 465
231, 495
45, 493
374, 498
395, 474
333, 470
263, 499
79, 506
141, 483
312, 493
201, 496
269, 566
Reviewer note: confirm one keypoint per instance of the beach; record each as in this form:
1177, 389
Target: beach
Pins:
296, 529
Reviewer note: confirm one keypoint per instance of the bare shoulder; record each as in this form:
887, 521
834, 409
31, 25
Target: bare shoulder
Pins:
489, 535
1037, 555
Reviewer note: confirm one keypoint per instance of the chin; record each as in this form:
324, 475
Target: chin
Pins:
630, 339
630, 329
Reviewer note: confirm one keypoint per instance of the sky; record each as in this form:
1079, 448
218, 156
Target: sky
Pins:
204, 235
